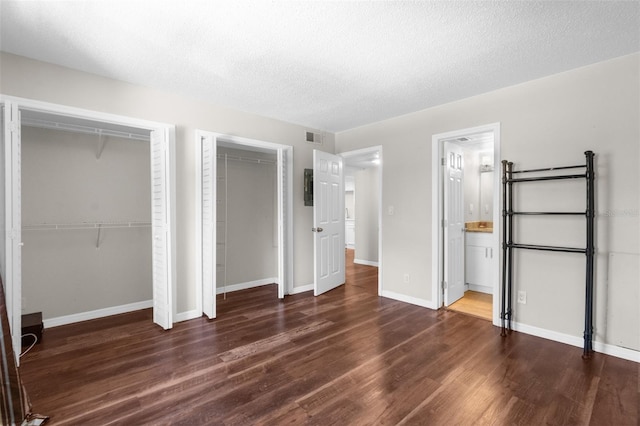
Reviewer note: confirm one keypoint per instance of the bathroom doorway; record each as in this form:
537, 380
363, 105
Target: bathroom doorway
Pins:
470, 212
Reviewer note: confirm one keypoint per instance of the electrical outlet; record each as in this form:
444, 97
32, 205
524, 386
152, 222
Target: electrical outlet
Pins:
522, 297
407, 278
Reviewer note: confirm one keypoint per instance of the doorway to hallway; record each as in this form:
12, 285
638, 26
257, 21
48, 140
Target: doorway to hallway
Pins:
363, 209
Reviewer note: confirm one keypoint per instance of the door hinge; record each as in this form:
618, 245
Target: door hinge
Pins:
444, 223
443, 161
444, 285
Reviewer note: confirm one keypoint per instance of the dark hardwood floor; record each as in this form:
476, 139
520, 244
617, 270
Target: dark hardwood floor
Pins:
347, 357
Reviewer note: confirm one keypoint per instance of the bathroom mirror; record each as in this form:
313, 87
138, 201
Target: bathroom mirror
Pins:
486, 195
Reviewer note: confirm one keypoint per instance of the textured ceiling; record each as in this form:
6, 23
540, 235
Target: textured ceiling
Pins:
326, 65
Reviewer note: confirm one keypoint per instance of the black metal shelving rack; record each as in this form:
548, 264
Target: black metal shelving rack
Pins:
508, 245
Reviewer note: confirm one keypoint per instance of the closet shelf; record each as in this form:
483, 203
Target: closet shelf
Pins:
85, 225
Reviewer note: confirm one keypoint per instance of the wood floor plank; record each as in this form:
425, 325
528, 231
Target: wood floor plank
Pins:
345, 357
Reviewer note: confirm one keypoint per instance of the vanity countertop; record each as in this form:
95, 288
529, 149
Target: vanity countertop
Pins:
479, 226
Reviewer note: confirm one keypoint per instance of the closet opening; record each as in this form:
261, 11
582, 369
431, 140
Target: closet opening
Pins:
86, 219
88, 205
244, 217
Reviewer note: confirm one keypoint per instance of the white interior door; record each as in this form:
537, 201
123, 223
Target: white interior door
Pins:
160, 223
453, 224
208, 184
328, 222
12, 227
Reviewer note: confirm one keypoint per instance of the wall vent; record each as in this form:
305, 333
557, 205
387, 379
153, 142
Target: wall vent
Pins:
314, 138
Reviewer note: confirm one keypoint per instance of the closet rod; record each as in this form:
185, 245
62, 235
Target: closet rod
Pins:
245, 159
77, 128
63, 226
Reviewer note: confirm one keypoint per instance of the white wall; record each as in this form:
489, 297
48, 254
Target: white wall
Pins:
64, 271
367, 202
546, 122
31, 79
349, 204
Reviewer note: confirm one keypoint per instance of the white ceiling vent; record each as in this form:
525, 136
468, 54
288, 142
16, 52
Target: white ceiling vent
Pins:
314, 138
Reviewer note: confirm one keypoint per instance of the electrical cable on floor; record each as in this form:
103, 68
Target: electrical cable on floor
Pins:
35, 340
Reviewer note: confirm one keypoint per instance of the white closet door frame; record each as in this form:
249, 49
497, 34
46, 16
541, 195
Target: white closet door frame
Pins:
206, 219
162, 268
206, 285
13, 223
437, 210
164, 133
285, 221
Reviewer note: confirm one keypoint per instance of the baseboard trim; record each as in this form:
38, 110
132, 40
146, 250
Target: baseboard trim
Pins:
186, 316
407, 299
302, 289
604, 348
480, 288
98, 313
243, 286
365, 262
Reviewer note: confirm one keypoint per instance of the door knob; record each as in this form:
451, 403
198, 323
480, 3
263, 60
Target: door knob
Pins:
317, 229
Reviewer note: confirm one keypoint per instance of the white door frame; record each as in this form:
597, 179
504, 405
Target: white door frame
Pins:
11, 228
437, 202
168, 132
358, 152
285, 211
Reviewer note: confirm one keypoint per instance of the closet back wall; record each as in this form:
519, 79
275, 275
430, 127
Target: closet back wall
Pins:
252, 255
70, 271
